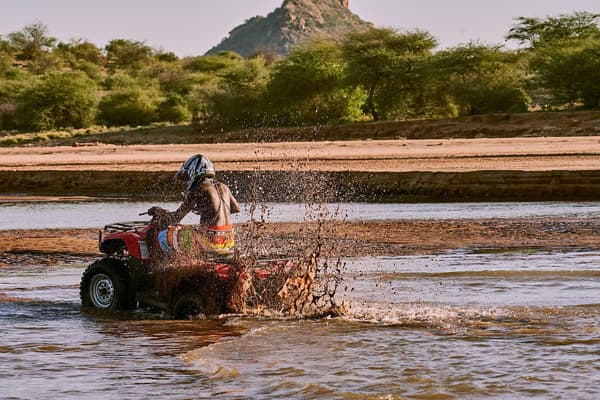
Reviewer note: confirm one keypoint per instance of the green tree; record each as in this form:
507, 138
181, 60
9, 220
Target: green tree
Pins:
129, 106
166, 56
6, 59
80, 50
32, 44
128, 54
59, 100
386, 63
236, 96
541, 31
563, 54
481, 79
120, 80
32, 41
81, 55
217, 63
571, 71
174, 109
309, 86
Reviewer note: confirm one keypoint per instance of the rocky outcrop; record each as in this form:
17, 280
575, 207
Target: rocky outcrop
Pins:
290, 25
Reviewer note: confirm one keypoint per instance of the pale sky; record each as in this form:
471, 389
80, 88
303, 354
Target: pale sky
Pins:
191, 27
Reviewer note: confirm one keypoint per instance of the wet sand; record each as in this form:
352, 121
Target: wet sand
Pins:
29, 248
443, 155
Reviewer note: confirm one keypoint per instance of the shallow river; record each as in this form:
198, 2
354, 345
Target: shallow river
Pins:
93, 214
457, 325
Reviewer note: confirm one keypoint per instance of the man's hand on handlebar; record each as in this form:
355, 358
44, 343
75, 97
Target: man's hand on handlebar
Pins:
156, 212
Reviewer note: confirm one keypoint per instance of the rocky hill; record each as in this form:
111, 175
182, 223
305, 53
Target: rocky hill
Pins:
292, 24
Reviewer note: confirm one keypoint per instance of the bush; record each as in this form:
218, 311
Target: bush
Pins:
487, 96
92, 70
481, 79
59, 101
9, 98
174, 109
571, 72
129, 106
8, 116
119, 81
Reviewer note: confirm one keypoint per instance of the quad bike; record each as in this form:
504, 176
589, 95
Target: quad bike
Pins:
134, 273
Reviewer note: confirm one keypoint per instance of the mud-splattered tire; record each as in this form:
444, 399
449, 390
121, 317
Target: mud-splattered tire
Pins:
104, 285
189, 306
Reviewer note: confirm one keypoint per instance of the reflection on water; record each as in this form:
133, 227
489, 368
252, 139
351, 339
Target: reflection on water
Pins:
94, 214
457, 325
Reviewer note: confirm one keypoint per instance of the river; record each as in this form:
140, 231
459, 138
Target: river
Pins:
98, 212
463, 324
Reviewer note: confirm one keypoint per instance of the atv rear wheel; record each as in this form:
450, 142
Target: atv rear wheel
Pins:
189, 306
104, 285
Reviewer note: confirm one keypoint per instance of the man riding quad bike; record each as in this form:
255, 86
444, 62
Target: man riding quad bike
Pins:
182, 270
205, 196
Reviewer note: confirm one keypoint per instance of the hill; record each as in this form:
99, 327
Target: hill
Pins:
292, 24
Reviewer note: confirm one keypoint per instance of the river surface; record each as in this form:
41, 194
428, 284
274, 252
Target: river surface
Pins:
94, 214
458, 325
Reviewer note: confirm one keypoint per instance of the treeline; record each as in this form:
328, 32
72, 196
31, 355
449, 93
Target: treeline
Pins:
382, 74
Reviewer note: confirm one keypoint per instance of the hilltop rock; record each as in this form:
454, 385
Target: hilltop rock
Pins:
290, 25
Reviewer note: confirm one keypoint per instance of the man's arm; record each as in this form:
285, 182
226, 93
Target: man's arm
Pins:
174, 217
234, 207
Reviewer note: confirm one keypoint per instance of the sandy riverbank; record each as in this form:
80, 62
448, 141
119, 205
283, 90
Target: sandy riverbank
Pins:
536, 168
352, 239
433, 155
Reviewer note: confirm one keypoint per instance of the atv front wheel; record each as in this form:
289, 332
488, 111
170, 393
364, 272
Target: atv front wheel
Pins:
104, 285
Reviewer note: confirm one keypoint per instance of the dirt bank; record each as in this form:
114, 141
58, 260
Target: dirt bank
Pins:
374, 238
447, 155
291, 186
389, 170
540, 124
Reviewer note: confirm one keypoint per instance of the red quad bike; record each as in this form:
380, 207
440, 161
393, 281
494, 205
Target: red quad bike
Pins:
132, 274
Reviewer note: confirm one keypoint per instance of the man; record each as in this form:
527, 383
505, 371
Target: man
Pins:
205, 196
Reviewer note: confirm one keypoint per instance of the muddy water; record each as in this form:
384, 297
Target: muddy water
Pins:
457, 325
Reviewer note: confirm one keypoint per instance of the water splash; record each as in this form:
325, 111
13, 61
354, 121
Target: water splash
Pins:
304, 284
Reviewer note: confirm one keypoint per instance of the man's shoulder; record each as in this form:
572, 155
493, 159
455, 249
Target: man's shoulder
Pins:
209, 185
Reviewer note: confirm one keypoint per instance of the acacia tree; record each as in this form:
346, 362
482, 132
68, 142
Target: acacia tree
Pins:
216, 84
237, 94
128, 54
32, 44
82, 51
538, 31
309, 86
481, 79
385, 63
564, 56
571, 71
32, 41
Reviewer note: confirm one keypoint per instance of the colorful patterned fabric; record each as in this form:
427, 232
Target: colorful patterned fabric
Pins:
192, 240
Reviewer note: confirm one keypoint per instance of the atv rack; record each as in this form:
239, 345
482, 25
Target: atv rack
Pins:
125, 226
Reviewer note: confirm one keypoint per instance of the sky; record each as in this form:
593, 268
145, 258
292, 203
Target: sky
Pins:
192, 27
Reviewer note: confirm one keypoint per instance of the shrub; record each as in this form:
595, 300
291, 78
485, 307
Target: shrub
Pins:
174, 109
59, 101
128, 106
